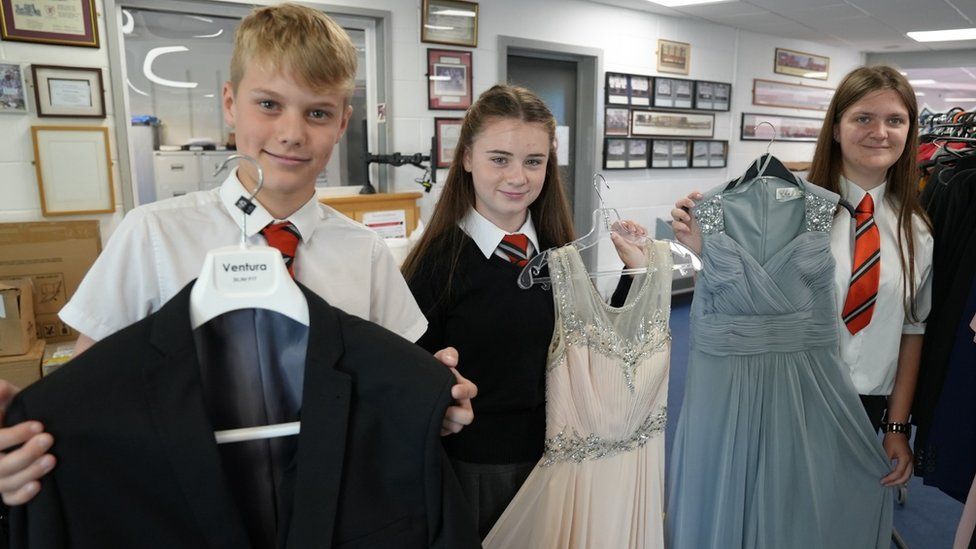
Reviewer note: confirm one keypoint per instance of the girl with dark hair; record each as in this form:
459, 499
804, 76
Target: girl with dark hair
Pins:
502, 202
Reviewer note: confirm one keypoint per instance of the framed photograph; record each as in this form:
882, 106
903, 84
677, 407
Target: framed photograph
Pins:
60, 22
13, 91
678, 124
640, 90
709, 154
74, 169
68, 92
797, 63
447, 133
712, 96
673, 93
669, 153
794, 96
616, 121
618, 89
673, 57
453, 22
637, 153
448, 80
787, 128
614, 153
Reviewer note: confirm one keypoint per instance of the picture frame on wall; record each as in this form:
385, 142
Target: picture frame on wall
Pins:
57, 22
618, 88
673, 93
640, 90
13, 90
451, 22
709, 154
74, 169
798, 63
677, 124
788, 128
712, 96
447, 133
448, 79
637, 153
616, 121
673, 57
669, 153
614, 153
68, 92
772, 93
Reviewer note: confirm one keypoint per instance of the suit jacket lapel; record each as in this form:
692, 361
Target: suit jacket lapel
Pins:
175, 398
322, 443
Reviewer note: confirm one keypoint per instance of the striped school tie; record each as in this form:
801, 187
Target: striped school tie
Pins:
866, 272
515, 248
283, 236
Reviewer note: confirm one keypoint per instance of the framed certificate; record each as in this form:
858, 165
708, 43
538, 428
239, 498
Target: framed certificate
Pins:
453, 22
68, 92
61, 22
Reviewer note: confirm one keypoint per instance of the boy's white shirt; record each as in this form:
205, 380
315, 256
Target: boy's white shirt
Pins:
160, 247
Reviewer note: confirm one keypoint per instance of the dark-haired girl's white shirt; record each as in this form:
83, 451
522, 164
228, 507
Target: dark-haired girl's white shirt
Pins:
487, 235
871, 355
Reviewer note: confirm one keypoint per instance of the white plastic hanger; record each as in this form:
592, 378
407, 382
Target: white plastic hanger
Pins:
602, 216
246, 277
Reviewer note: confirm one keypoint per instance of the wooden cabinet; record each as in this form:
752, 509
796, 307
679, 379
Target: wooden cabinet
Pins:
355, 206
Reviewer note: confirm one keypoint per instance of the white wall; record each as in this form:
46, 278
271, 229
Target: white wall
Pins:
19, 196
628, 39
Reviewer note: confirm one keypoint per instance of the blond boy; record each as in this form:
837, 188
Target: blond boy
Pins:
292, 74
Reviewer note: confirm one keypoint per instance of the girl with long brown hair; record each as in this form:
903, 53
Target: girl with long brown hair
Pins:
502, 202
882, 280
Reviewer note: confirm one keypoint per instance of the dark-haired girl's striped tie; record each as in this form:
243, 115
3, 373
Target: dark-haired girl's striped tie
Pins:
866, 270
515, 247
285, 237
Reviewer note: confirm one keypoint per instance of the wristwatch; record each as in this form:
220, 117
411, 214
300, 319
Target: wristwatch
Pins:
903, 428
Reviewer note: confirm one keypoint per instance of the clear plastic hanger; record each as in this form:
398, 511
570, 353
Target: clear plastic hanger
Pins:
610, 221
246, 277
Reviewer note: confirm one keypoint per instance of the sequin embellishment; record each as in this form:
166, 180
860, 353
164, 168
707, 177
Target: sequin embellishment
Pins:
820, 213
579, 448
709, 215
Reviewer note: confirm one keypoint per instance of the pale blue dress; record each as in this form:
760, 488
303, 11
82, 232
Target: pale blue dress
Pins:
773, 448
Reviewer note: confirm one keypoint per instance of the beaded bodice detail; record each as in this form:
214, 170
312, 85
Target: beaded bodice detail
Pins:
607, 373
819, 214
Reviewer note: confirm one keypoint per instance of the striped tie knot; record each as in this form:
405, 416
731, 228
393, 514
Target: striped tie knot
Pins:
865, 270
515, 247
283, 236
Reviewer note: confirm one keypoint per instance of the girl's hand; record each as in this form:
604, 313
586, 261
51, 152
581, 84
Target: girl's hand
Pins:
896, 446
684, 225
631, 247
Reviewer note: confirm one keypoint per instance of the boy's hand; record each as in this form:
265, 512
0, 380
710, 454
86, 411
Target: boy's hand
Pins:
461, 413
685, 227
21, 469
628, 238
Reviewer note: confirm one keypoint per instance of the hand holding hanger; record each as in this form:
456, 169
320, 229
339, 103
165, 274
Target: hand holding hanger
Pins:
684, 225
630, 240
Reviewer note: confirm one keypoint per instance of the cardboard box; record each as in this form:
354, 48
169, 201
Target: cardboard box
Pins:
17, 332
57, 355
22, 370
55, 255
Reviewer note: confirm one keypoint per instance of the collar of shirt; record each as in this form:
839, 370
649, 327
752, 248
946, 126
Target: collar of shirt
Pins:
304, 219
855, 194
487, 235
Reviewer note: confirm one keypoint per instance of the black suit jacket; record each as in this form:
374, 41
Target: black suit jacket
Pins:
138, 465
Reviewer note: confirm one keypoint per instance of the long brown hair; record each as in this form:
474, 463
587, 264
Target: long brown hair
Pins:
550, 210
902, 177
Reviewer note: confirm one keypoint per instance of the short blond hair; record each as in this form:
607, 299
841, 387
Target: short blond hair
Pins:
307, 43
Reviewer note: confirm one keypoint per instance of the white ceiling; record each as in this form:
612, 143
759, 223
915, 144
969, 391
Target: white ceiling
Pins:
865, 25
